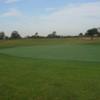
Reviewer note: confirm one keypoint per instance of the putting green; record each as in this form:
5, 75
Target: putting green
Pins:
64, 52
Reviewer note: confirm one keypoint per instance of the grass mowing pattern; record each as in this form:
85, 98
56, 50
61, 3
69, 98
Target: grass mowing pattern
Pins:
23, 78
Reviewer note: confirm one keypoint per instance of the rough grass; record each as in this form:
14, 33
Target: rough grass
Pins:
30, 42
23, 78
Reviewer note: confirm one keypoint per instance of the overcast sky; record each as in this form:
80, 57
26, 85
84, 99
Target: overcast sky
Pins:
67, 17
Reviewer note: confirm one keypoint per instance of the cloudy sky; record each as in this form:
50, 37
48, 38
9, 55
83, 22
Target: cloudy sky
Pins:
67, 17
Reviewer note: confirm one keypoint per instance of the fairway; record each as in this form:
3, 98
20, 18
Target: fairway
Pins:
50, 70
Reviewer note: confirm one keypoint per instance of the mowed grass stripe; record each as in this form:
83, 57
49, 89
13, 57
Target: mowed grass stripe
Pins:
64, 52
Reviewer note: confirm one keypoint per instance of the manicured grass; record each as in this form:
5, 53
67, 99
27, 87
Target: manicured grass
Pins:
27, 73
66, 52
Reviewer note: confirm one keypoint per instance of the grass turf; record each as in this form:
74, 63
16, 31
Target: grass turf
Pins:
38, 78
63, 52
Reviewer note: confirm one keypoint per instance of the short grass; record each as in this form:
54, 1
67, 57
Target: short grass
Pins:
64, 52
50, 69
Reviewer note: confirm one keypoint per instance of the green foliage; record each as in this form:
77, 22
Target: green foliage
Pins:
15, 35
52, 35
81, 34
2, 35
92, 32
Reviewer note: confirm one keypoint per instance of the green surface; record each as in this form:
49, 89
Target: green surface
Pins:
63, 52
51, 70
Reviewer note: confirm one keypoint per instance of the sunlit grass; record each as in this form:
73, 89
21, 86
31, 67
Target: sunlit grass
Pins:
31, 78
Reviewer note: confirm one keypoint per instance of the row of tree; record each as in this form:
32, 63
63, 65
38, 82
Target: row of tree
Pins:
94, 32
14, 35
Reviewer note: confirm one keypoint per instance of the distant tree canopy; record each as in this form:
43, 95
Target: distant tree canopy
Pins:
92, 32
2, 35
15, 35
36, 34
81, 34
52, 35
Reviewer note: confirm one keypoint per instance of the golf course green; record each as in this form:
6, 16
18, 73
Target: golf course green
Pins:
50, 69
62, 52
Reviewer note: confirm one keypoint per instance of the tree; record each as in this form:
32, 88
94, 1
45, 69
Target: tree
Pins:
52, 35
15, 35
92, 32
81, 35
36, 35
2, 35
98, 31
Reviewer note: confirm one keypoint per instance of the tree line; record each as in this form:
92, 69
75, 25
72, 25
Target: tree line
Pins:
93, 32
14, 35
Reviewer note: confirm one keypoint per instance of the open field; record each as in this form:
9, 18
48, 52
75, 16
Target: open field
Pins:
50, 69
